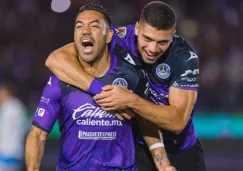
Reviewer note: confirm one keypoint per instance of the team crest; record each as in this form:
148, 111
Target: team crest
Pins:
163, 71
121, 32
120, 81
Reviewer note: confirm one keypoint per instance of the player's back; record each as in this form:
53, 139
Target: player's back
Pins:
92, 139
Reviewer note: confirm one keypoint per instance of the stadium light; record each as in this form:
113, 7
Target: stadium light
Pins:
60, 5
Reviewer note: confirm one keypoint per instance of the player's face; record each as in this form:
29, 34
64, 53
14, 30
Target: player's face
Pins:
152, 43
91, 35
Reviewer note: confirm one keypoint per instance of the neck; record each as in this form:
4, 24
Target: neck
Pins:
100, 66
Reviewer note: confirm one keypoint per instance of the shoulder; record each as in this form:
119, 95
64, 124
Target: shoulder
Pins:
182, 53
180, 47
53, 87
124, 31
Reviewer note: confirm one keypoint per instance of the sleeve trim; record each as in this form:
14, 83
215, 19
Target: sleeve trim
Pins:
40, 127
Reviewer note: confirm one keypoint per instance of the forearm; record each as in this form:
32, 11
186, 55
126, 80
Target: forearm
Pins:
34, 151
154, 141
166, 117
69, 70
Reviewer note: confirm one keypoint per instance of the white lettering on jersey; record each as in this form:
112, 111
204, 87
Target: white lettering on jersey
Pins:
129, 59
49, 82
97, 135
194, 72
88, 110
193, 56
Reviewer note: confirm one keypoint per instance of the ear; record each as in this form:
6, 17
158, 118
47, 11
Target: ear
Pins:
136, 28
109, 36
174, 32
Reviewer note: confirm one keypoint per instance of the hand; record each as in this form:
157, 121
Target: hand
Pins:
113, 97
123, 114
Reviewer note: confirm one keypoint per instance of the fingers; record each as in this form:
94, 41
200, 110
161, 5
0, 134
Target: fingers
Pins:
121, 115
102, 95
118, 116
126, 116
107, 87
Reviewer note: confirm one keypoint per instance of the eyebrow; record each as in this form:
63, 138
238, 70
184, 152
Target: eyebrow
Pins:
94, 21
160, 41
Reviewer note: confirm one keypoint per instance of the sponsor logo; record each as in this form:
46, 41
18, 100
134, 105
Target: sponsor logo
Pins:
40, 112
190, 85
158, 98
88, 110
129, 59
193, 56
121, 32
97, 135
120, 81
88, 114
163, 71
175, 84
102, 122
49, 82
45, 99
193, 72
188, 79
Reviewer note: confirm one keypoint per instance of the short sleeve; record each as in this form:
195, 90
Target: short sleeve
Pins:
186, 71
49, 105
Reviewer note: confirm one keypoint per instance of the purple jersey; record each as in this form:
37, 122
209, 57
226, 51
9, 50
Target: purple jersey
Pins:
177, 67
91, 139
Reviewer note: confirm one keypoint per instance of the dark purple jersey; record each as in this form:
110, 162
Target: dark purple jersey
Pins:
177, 67
91, 139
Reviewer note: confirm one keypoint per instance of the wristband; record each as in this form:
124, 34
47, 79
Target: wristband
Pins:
95, 87
156, 145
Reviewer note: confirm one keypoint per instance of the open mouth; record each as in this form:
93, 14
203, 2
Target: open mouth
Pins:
151, 56
87, 45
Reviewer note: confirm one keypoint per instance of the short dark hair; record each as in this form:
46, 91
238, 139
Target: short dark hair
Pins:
159, 15
96, 7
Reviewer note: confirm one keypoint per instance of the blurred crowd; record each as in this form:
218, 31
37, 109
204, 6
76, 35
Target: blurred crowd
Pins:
30, 30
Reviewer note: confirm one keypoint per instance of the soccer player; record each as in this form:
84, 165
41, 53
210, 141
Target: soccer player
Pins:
173, 70
91, 138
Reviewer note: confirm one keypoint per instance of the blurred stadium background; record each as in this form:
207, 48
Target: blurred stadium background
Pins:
32, 29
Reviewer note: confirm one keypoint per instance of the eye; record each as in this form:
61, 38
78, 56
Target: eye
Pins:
163, 43
95, 26
146, 39
79, 26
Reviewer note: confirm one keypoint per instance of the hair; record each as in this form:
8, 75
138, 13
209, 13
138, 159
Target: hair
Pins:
159, 15
96, 7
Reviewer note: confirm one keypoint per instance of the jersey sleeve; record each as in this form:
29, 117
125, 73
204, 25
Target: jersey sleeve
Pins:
142, 86
119, 35
49, 105
186, 71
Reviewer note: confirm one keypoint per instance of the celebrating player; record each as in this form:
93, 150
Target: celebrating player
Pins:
91, 138
172, 66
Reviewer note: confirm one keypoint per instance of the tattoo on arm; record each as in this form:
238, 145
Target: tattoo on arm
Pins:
158, 157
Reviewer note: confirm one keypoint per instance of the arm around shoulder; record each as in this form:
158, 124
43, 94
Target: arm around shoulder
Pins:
64, 63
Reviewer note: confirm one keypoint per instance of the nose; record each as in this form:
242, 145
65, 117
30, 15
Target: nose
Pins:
86, 30
152, 48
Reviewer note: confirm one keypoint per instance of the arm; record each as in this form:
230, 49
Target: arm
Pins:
182, 97
173, 117
34, 148
151, 136
64, 64
43, 121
